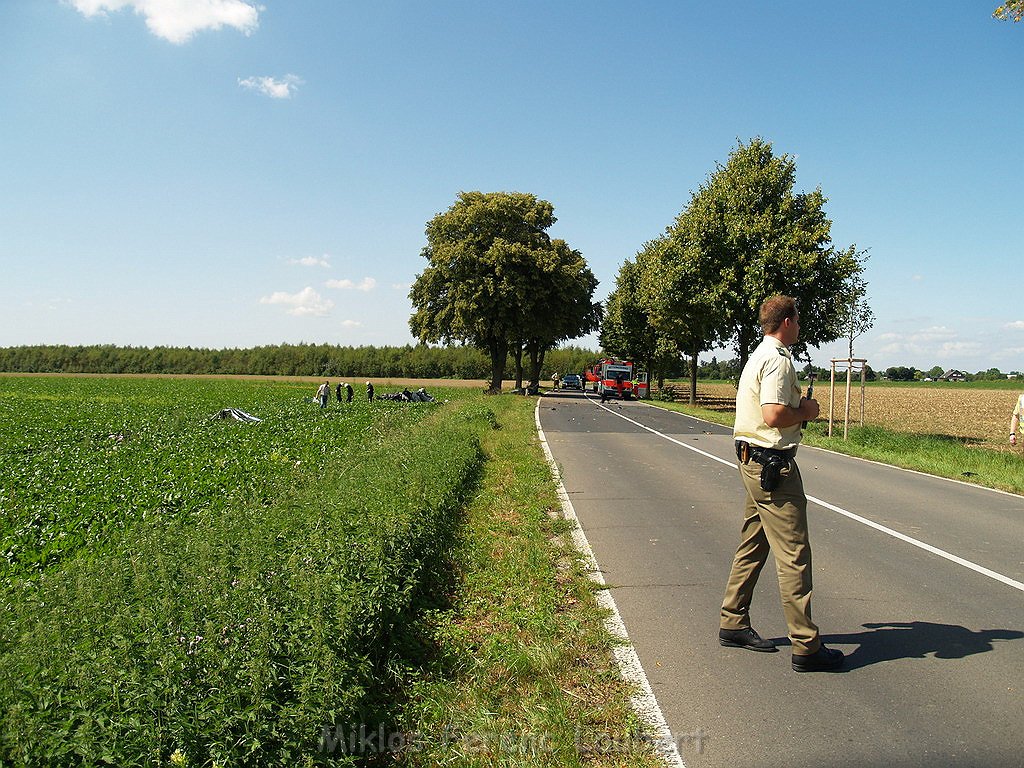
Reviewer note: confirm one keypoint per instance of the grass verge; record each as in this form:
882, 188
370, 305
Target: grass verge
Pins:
520, 671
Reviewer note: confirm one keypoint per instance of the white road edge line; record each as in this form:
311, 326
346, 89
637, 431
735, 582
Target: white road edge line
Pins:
853, 516
644, 702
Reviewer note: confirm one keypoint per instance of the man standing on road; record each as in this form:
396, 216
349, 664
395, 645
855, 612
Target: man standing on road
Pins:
769, 413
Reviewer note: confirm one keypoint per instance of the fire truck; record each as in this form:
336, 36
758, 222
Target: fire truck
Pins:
610, 378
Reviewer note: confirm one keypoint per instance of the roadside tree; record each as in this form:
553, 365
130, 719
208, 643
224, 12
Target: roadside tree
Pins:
560, 306
679, 285
495, 280
627, 330
855, 316
745, 236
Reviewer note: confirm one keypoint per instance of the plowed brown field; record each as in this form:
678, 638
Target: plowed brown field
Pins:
979, 416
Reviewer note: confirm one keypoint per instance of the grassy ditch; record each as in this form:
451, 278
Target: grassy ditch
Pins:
520, 671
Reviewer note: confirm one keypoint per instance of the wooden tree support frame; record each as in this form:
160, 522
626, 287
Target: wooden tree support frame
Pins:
850, 363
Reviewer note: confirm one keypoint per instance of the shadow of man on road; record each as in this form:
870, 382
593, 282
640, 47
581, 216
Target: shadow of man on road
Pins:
889, 641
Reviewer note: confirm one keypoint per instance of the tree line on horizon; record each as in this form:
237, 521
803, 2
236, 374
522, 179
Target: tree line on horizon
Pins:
730, 370
400, 362
409, 361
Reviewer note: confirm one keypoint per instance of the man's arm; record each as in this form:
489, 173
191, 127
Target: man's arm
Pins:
780, 416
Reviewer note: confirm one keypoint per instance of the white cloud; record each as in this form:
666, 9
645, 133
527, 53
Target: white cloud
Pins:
178, 20
401, 286
366, 285
50, 305
304, 303
275, 89
310, 261
965, 348
1016, 325
351, 324
933, 334
933, 343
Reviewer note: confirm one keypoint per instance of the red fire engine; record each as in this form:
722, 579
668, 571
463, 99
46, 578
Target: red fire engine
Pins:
610, 378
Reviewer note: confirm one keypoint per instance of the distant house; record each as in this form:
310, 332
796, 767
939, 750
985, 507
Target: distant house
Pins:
953, 375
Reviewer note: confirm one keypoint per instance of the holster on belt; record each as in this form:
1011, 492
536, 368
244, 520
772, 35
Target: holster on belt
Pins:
743, 451
772, 462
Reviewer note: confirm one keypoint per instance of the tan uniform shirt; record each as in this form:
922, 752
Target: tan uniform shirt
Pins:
768, 377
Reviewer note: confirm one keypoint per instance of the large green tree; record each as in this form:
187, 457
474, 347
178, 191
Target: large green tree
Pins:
681, 297
627, 330
560, 306
496, 280
746, 235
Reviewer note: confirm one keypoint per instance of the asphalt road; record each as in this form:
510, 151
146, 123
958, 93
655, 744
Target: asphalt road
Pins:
934, 638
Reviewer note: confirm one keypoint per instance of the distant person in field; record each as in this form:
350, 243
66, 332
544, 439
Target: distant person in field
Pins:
769, 413
323, 394
369, 392
348, 392
339, 391
1018, 408
555, 378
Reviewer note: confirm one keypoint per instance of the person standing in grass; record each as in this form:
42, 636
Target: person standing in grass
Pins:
369, 392
1018, 408
348, 393
323, 394
769, 413
338, 391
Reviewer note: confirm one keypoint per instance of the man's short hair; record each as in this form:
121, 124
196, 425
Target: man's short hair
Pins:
775, 310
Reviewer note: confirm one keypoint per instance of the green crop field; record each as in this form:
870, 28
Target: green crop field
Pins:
85, 458
176, 587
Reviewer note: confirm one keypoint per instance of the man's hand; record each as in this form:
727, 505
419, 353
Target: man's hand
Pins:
810, 408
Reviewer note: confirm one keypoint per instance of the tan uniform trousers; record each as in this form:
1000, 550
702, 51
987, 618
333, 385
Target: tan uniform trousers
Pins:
776, 522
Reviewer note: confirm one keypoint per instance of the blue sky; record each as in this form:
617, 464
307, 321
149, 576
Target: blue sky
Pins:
222, 174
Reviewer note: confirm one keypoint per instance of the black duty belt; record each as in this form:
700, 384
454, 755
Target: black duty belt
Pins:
746, 451
772, 460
